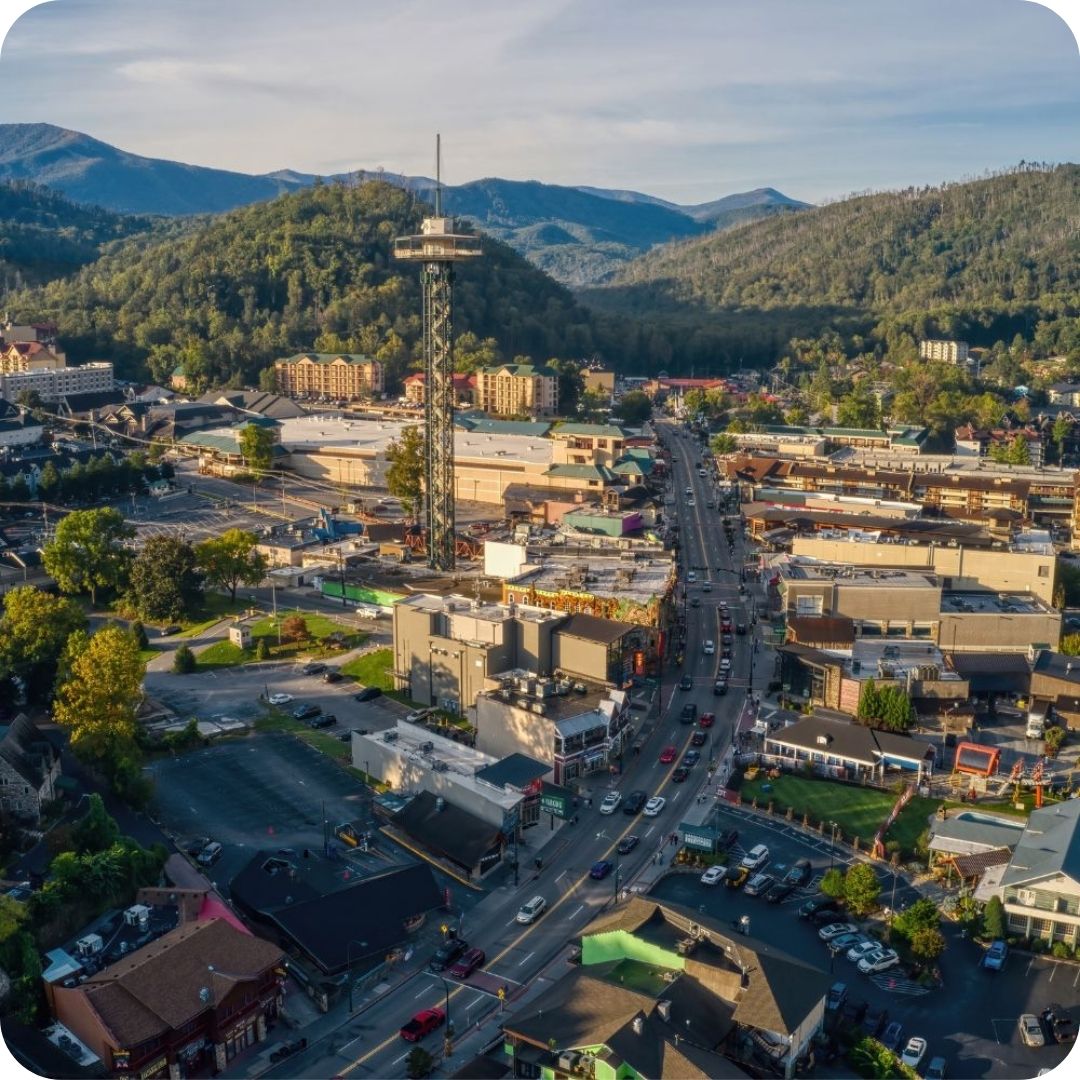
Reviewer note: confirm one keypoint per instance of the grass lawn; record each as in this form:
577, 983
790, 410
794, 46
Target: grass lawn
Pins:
858, 811
372, 669
912, 820
213, 609
222, 654
226, 654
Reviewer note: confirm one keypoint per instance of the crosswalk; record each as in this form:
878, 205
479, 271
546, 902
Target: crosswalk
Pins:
897, 984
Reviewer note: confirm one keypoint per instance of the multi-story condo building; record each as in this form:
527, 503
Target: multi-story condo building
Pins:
53, 383
517, 390
948, 352
340, 376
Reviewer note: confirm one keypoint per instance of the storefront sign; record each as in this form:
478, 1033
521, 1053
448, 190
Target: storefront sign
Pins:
555, 800
699, 836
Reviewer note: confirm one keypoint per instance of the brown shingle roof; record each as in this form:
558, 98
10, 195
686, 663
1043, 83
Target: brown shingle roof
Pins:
156, 988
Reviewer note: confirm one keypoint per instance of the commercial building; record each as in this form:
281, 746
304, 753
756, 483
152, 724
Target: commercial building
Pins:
517, 390
944, 351
191, 1000
1055, 683
32, 355
1040, 887
577, 732
464, 388
53, 383
337, 376
803, 442
979, 442
599, 382
18, 426
663, 991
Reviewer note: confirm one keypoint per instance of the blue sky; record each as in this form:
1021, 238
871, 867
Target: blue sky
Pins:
685, 99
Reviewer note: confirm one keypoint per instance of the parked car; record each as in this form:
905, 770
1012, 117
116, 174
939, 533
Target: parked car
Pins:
627, 844
893, 1036
1060, 1025
468, 963
695, 601
853, 1011
196, 846
725, 664
857, 952
168, 631
610, 803
306, 712
532, 911
1031, 1032
735, 877
834, 930
680, 774
727, 838
655, 805
875, 1019
314, 668
800, 873
699, 738
825, 916
780, 891
332, 676
994, 957
601, 869
878, 960
447, 953
688, 714
837, 996
322, 721
758, 884
369, 693
816, 904
279, 699
936, 1069
210, 854
668, 755
713, 876
740, 628
914, 1052
756, 857
844, 942
635, 801
707, 719
423, 1023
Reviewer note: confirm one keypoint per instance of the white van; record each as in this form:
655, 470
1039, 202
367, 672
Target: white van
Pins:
532, 911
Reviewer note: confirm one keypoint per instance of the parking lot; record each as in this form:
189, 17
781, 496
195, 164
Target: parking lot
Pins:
192, 517
968, 1022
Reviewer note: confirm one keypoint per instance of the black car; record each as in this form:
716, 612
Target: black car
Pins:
369, 693
800, 873
168, 631
817, 904
313, 669
325, 720
688, 714
633, 802
853, 1011
836, 997
332, 676
725, 639
679, 775
686, 683
720, 687
893, 1037
306, 712
780, 891
699, 738
691, 758
1059, 1024
875, 1019
627, 844
824, 916
740, 628
447, 953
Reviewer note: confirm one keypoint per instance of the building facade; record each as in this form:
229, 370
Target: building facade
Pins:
945, 352
517, 390
53, 383
338, 376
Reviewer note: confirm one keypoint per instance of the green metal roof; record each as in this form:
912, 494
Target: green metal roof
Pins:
490, 426
525, 371
603, 431
327, 358
582, 472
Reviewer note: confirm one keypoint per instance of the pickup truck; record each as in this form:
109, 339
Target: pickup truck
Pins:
423, 1023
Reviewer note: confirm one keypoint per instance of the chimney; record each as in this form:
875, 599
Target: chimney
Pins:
664, 1009
639, 1025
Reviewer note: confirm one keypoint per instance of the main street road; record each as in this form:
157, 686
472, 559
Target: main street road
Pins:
368, 1045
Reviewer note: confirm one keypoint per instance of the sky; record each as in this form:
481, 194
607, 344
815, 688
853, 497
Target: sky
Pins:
685, 99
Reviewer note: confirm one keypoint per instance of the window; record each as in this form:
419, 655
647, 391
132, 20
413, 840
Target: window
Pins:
1044, 571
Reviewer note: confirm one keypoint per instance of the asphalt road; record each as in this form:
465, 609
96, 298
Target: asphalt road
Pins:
517, 953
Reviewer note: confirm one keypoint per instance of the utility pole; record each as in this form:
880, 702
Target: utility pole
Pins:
437, 248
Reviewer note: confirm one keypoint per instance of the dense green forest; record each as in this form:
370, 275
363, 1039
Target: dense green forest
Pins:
44, 236
983, 260
312, 269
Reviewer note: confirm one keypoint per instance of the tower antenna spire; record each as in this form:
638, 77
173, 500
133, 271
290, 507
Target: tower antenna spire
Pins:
438, 175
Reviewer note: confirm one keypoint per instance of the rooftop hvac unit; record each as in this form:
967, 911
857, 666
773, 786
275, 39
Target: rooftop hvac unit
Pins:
426, 747
440, 766
390, 736
89, 945
538, 707
137, 915
568, 1060
523, 702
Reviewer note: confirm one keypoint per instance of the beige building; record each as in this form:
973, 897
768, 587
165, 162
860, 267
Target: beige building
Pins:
53, 383
29, 356
517, 390
965, 568
339, 376
599, 382
947, 352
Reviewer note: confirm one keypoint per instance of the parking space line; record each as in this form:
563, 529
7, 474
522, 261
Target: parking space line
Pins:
524, 959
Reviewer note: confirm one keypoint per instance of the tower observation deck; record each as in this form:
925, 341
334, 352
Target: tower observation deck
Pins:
437, 248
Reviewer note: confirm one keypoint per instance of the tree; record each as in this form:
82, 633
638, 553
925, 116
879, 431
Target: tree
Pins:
139, 631
48, 485
928, 944
183, 661
12, 916
634, 408
832, 883
89, 552
923, 914
262, 649
294, 628
993, 919
165, 580
97, 830
886, 706
861, 889
231, 560
1070, 645
257, 447
268, 380
405, 469
98, 700
419, 1063
797, 416
723, 444
859, 409
34, 632
1059, 433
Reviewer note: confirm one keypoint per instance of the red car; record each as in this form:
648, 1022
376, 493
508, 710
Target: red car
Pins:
707, 719
725, 627
423, 1023
468, 964
668, 755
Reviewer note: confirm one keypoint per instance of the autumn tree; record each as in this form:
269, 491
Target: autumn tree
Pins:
98, 700
927, 944
405, 469
34, 631
294, 627
230, 560
166, 583
89, 552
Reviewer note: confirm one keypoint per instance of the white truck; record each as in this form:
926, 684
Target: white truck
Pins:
1037, 719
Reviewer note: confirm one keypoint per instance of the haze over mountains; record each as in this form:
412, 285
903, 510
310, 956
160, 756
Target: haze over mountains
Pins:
579, 235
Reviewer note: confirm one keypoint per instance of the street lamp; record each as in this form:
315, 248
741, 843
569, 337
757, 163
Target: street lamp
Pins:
832, 845
349, 964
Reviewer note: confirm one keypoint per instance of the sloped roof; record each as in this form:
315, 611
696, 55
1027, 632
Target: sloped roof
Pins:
449, 830
848, 740
1050, 845
592, 628
582, 472
27, 750
327, 358
600, 431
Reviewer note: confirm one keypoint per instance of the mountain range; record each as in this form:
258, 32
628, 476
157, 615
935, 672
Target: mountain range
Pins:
579, 235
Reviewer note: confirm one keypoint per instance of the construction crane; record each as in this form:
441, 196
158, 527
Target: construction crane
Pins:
437, 248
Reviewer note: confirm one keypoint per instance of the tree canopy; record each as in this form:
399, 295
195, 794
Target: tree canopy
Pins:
34, 631
89, 552
165, 582
230, 560
405, 468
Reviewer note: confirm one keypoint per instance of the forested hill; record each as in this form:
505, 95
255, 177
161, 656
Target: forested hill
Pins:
980, 260
310, 269
43, 236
